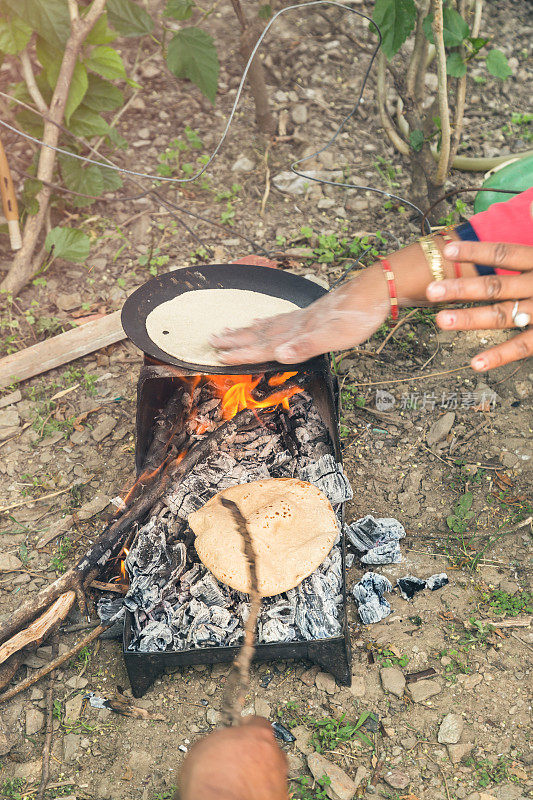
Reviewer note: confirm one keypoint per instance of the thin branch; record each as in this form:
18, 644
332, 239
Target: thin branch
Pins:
417, 63
477, 18
438, 34
29, 77
73, 12
387, 123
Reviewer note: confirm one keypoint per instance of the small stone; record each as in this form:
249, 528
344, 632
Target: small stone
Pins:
326, 683
94, 506
243, 164
308, 677
77, 682
143, 133
408, 742
73, 707
457, 752
295, 764
441, 428
7, 741
213, 716
393, 680
262, 709
36, 694
341, 786
397, 779
325, 202
299, 114
106, 426
34, 721
211, 689
9, 563
9, 422
471, 681
360, 775
30, 771
71, 745
358, 687
450, 729
507, 791
67, 302
423, 690
302, 736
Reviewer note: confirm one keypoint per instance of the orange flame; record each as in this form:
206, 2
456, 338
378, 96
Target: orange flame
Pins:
123, 572
236, 392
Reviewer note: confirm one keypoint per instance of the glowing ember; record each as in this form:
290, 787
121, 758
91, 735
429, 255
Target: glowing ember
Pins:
236, 392
124, 574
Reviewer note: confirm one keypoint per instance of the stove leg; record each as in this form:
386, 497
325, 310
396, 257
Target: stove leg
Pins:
142, 673
334, 657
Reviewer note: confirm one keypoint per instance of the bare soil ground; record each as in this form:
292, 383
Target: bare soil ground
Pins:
82, 444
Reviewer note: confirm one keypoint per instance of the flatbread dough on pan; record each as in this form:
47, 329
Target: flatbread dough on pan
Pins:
182, 326
292, 525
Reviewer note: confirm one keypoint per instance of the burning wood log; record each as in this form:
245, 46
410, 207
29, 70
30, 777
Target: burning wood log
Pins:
110, 541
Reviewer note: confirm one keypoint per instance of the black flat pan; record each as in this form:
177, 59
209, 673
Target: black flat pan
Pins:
274, 282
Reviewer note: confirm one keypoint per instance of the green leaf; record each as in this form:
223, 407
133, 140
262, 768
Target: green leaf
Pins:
466, 500
455, 28
48, 17
497, 65
50, 60
265, 12
77, 89
29, 193
455, 65
396, 19
30, 122
179, 9
81, 177
128, 18
115, 138
102, 95
192, 55
85, 122
111, 179
68, 243
477, 43
416, 139
14, 35
105, 61
101, 33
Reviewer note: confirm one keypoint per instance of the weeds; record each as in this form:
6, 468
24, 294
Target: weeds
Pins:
57, 563
306, 789
489, 773
390, 658
509, 605
12, 787
329, 732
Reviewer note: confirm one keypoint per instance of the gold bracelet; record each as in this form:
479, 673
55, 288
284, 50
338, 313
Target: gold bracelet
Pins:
433, 257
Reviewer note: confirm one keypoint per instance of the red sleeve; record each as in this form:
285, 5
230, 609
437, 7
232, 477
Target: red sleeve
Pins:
510, 222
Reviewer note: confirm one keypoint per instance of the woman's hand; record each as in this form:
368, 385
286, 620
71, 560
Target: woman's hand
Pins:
505, 290
339, 320
235, 764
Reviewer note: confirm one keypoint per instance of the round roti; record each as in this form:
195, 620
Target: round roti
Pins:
292, 525
182, 326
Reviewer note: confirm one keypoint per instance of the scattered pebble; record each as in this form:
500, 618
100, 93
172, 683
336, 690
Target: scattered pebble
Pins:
326, 683
397, 779
450, 729
243, 164
423, 690
341, 787
393, 680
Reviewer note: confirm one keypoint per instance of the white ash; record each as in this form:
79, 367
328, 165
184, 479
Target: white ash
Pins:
376, 540
178, 604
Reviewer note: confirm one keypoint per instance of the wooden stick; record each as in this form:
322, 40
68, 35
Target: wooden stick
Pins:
45, 773
9, 668
61, 349
30, 500
39, 630
56, 662
239, 677
9, 201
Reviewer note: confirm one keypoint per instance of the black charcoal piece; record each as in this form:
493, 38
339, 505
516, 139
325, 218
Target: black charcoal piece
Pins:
266, 679
368, 593
437, 581
282, 733
409, 585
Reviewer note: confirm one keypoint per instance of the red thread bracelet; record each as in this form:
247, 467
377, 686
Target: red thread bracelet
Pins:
456, 264
391, 285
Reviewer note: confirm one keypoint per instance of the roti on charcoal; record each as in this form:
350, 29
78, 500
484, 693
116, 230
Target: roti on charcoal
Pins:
182, 326
292, 525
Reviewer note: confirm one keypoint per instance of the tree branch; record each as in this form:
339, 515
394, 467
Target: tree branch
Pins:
387, 123
417, 64
29, 77
444, 111
23, 265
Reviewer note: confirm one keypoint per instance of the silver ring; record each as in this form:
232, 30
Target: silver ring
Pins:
520, 318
